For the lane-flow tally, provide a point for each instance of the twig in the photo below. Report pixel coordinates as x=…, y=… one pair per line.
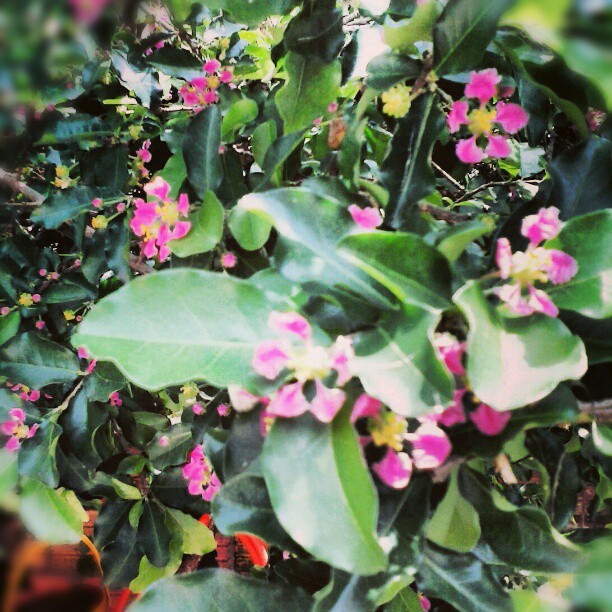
x=12, y=182
x=600, y=410
x=139, y=266
x=70, y=397
x=468, y=194
x=447, y=176
x=443, y=214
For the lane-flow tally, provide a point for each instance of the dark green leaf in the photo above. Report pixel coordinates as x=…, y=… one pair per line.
x=175, y=62
x=316, y=33
x=37, y=455
x=388, y=69
x=61, y=206
x=154, y=535
x=240, y=113
x=120, y=559
x=9, y=326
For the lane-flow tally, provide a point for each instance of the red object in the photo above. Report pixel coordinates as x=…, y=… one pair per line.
x=123, y=600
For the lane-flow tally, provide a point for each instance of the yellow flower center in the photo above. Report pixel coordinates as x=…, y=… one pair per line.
x=481, y=121
x=388, y=430
x=309, y=362
x=169, y=213
x=21, y=432
x=62, y=172
x=212, y=82
x=99, y=222
x=69, y=315
x=396, y=101
x=189, y=391
x=530, y=266
x=25, y=299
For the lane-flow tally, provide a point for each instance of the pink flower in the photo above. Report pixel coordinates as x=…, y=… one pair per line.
x=82, y=352
x=121, y=207
x=469, y=152
x=289, y=401
x=511, y=117
x=182, y=204
x=498, y=146
x=33, y=396
x=318, y=121
x=540, y=302
x=483, y=85
x=503, y=257
x=562, y=267
x=143, y=153
x=506, y=91
x=512, y=296
x=454, y=414
x=88, y=11
x=223, y=410
x=198, y=409
x=226, y=76
x=394, y=469
x=489, y=421
x=211, y=66
x=199, y=83
x=366, y=406
x=544, y=225
x=326, y=403
x=368, y=218
x=145, y=215
x=4, y=311
x=228, y=259
x=202, y=479
x=290, y=322
x=451, y=351
x=164, y=441
x=158, y=188
x=36, y=297
x=430, y=446
x=91, y=366
x=242, y=400
x=342, y=354
x=270, y=358
x=210, y=97
x=114, y=399
x=96, y=203
x=425, y=603
x=16, y=429
x=39, y=325
x=332, y=107
x=457, y=116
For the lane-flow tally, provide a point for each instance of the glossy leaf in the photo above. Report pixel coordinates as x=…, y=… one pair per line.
x=389, y=69
x=37, y=455
x=239, y=114
x=9, y=326
x=61, y=206
x=331, y=512
x=210, y=337
x=154, y=535
x=513, y=362
x=317, y=32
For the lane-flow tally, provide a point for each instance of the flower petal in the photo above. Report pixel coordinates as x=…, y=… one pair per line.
x=430, y=446
x=457, y=115
x=270, y=357
x=454, y=414
x=541, y=302
x=488, y=421
x=158, y=188
x=469, y=152
x=498, y=146
x=542, y=226
x=288, y=402
x=327, y=402
x=394, y=469
x=289, y=322
x=368, y=218
x=511, y=117
x=366, y=406
x=562, y=267
x=482, y=85
x=503, y=257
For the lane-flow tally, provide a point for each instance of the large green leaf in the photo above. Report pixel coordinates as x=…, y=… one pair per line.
x=463, y=31
x=54, y=516
x=414, y=271
x=175, y=62
x=454, y=524
x=217, y=590
x=402, y=35
x=179, y=325
x=35, y=361
x=514, y=362
x=206, y=229
x=154, y=535
x=582, y=178
x=37, y=455
x=310, y=228
x=9, y=326
x=388, y=69
x=201, y=151
x=311, y=86
x=239, y=114
x=397, y=364
x=62, y=206
x=331, y=511
x=522, y=537
x=462, y=580
x=406, y=171
x=587, y=239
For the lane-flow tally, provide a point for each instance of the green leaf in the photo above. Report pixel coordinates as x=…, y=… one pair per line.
x=154, y=535
x=178, y=63
x=311, y=86
x=389, y=69
x=35, y=361
x=179, y=441
x=277, y=154
x=514, y=362
x=243, y=506
x=75, y=128
x=135, y=75
x=402, y=35
x=239, y=114
x=415, y=272
x=54, y=516
x=582, y=178
x=9, y=326
x=148, y=573
x=9, y=475
x=397, y=364
x=250, y=231
x=211, y=336
x=462, y=33
x=121, y=558
x=62, y=206
x=310, y=228
x=405, y=601
x=220, y=591
x=406, y=172
x=206, y=229
x=454, y=524
x=264, y=135
x=125, y=491
x=522, y=537
x=201, y=151
x=197, y=538
x=254, y=11
x=461, y=580
x=331, y=511
x=37, y=455
x=453, y=241
x=587, y=240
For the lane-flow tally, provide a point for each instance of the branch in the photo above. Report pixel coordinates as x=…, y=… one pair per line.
x=17, y=186
x=447, y=176
x=443, y=214
x=600, y=410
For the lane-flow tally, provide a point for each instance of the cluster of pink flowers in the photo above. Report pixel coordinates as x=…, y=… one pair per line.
x=158, y=222
x=488, y=421
x=88, y=11
x=83, y=354
x=114, y=399
x=535, y=265
x=199, y=472
x=485, y=122
x=303, y=361
x=368, y=218
x=202, y=91
x=24, y=392
x=430, y=446
x=143, y=156
x=16, y=429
